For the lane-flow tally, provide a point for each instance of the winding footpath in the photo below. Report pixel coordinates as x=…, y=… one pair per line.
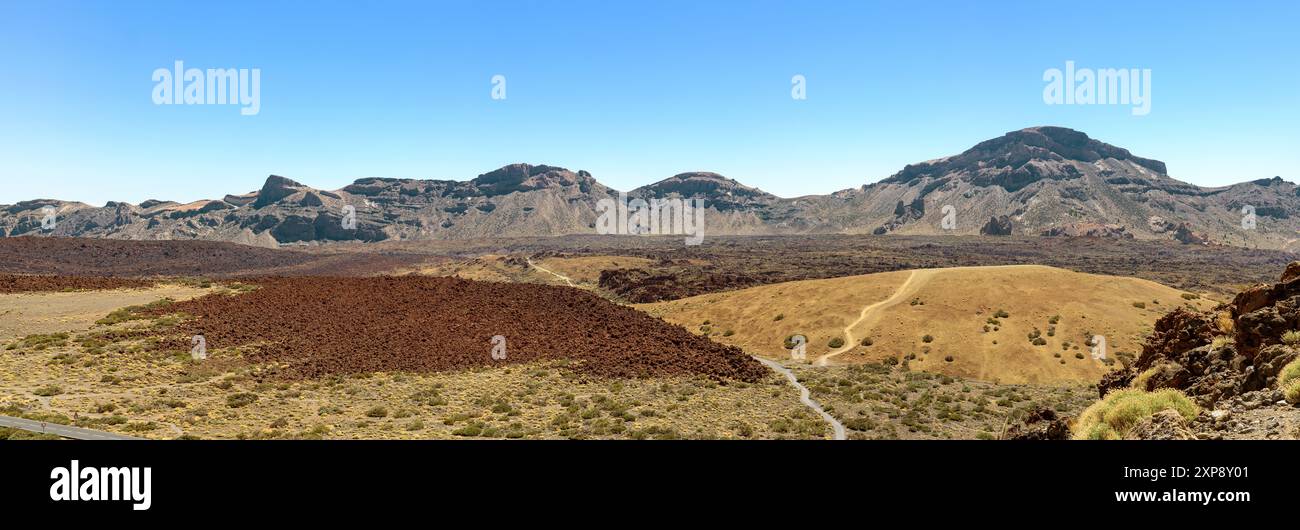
x=910, y=286
x=552, y=273
x=805, y=396
x=66, y=431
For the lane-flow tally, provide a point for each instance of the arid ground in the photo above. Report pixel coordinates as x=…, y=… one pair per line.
x=616, y=337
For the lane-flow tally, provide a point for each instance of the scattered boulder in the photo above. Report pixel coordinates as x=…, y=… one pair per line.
x=1041, y=424
x=1163, y=425
x=1231, y=350
x=997, y=226
x=1185, y=235
x=1089, y=230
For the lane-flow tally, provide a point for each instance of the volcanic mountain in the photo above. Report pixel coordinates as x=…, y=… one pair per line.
x=1047, y=181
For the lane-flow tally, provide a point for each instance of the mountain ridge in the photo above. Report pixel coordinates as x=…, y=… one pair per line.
x=1042, y=180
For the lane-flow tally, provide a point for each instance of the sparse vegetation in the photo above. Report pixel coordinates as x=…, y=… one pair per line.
x=1291, y=338
x=1112, y=417
x=240, y=399
x=48, y=390
x=39, y=342
x=1290, y=373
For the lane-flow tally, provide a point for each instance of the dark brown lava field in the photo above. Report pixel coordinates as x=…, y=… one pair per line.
x=16, y=283
x=320, y=326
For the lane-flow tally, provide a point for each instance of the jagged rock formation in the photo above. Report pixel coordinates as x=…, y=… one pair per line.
x=1231, y=350
x=997, y=226
x=1088, y=230
x=1040, y=180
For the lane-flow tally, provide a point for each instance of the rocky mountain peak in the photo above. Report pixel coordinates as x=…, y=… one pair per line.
x=716, y=190
x=702, y=184
x=527, y=177
x=276, y=188
x=1019, y=158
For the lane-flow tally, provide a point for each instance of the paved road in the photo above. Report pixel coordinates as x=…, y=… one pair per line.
x=76, y=433
x=806, y=396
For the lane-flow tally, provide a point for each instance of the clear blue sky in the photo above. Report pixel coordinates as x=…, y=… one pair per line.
x=631, y=91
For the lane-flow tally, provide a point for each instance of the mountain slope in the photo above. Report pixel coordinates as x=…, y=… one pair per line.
x=1037, y=181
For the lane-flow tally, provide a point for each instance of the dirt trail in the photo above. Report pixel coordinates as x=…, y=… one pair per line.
x=805, y=396
x=915, y=280
x=566, y=279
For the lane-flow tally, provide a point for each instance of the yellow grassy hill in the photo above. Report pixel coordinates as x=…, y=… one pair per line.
x=953, y=306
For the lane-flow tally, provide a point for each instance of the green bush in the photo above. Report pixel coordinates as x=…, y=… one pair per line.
x=1292, y=393
x=377, y=412
x=836, y=342
x=1001, y=314
x=927, y=339
x=241, y=399
x=48, y=390
x=1291, y=338
x=789, y=341
x=1290, y=372
x=1117, y=413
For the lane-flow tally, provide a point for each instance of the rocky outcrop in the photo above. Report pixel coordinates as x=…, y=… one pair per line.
x=276, y=188
x=1185, y=235
x=997, y=226
x=1089, y=230
x=1041, y=424
x=1236, y=348
x=1163, y=425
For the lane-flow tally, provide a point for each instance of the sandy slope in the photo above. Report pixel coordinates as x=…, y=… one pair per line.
x=952, y=305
